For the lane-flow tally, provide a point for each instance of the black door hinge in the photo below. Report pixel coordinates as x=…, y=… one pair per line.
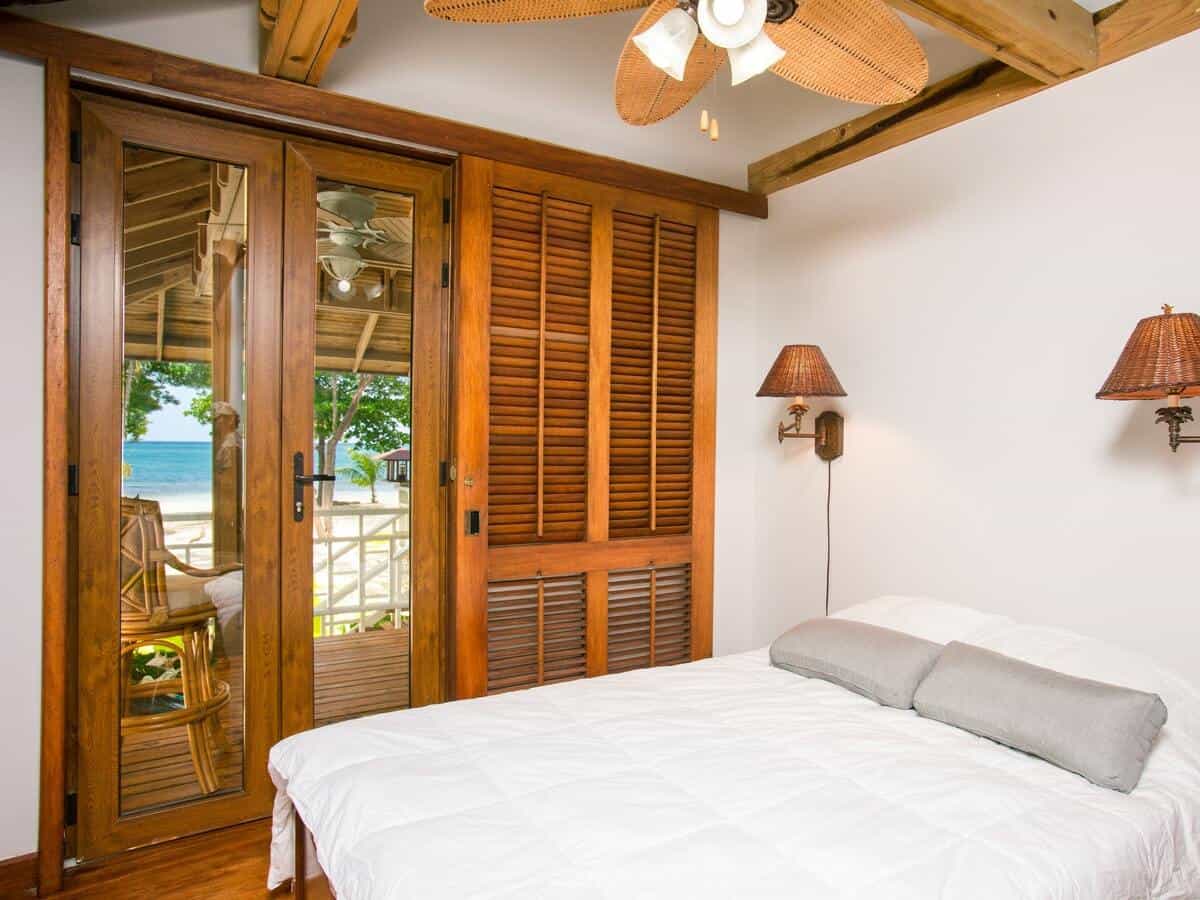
x=76, y=147
x=445, y=274
x=446, y=210
x=75, y=227
x=72, y=480
x=443, y=473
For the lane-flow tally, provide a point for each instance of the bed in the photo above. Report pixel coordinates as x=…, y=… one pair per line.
x=731, y=778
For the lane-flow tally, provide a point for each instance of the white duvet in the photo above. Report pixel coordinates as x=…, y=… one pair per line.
x=729, y=778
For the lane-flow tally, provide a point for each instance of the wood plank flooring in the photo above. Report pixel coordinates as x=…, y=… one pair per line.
x=230, y=864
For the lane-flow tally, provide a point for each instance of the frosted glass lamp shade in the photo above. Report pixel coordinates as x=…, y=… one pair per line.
x=668, y=42
x=341, y=263
x=719, y=26
x=754, y=58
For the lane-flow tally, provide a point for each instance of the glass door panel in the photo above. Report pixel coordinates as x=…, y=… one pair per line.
x=364, y=318
x=362, y=429
x=181, y=517
x=177, y=619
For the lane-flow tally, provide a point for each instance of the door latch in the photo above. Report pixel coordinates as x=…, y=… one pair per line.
x=299, y=480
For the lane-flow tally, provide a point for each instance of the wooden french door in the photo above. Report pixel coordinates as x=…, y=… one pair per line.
x=178, y=576
x=226, y=597
x=365, y=335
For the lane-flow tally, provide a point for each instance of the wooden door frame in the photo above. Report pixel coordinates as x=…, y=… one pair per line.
x=107, y=127
x=306, y=162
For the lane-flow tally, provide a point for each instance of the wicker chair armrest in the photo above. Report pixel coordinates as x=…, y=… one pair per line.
x=178, y=564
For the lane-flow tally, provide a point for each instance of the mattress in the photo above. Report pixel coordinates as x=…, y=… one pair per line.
x=731, y=778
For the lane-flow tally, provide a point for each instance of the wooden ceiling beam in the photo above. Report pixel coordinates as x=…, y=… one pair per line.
x=178, y=175
x=257, y=99
x=191, y=203
x=160, y=325
x=364, y=339
x=301, y=36
x=174, y=263
x=1049, y=40
x=172, y=247
x=1121, y=30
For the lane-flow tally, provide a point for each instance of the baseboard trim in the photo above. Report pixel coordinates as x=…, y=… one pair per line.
x=18, y=875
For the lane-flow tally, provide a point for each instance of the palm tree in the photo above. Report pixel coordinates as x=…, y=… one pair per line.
x=364, y=472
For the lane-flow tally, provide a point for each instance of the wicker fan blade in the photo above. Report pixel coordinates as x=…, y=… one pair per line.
x=645, y=93
x=856, y=50
x=502, y=11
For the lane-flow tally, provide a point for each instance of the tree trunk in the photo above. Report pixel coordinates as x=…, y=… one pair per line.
x=328, y=454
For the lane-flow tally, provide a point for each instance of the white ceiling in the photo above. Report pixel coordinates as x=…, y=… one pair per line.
x=550, y=80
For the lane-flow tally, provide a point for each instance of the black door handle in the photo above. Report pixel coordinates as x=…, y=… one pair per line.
x=299, y=480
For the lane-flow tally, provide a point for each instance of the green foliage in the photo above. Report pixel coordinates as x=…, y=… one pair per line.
x=384, y=413
x=148, y=387
x=365, y=471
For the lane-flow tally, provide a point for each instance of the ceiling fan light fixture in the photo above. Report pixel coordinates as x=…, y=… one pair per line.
x=754, y=58
x=668, y=42
x=745, y=29
x=341, y=263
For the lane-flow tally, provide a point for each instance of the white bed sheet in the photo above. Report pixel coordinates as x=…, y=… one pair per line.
x=730, y=778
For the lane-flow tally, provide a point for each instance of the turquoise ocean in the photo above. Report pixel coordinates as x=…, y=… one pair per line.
x=179, y=475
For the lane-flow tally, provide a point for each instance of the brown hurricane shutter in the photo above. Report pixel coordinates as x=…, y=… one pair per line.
x=653, y=360
x=538, y=375
x=584, y=429
x=649, y=617
x=536, y=632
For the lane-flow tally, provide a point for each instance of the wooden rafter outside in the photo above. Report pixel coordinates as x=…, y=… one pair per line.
x=301, y=36
x=1121, y=30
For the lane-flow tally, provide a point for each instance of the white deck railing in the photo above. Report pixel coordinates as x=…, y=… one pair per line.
x=360, y=563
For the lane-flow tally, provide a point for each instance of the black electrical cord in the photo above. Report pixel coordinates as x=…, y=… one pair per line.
x=828, y=528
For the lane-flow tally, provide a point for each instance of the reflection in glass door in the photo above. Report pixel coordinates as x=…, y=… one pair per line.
x=362, y=429
x=181, y=519
x=179, y=447
x=364, y=296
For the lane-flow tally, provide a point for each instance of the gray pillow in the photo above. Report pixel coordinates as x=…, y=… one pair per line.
x=1097, y=730
x=879, y=663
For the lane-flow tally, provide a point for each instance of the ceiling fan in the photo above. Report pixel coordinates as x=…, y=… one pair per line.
x=855, y=50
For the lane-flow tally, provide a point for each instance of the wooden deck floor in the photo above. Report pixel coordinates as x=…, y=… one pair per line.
x=355, y=675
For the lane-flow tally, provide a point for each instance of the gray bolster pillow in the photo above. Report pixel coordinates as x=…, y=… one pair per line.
x=1100, y=731
x=879, y=663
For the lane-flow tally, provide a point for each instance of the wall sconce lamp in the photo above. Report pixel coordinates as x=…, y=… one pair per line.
x=1160, y=359
x=800, y=371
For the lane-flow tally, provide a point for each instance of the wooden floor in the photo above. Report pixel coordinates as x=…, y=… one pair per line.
x=229, y=864
x=355, y=675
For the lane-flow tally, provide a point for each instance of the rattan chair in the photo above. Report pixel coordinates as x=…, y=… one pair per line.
x=150, y=618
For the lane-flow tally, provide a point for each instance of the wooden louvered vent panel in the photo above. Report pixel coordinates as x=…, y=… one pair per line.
x=649, y=617
x=653, y=361
x=536, y=632
x=541, y=284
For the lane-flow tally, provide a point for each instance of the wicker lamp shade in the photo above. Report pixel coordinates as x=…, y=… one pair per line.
x=1161, y=358
x=801, y=370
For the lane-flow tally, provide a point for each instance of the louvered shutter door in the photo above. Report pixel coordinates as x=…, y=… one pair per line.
x=538, y=378
x=585, y=340
x=653, y=354
x=649, y=617
x=536, y=632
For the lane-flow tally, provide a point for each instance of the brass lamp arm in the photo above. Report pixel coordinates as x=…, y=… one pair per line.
x=1175, y=417
x=827, y=437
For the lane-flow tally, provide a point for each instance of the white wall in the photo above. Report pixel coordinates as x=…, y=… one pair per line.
x=972, y=291
x=21, y=453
